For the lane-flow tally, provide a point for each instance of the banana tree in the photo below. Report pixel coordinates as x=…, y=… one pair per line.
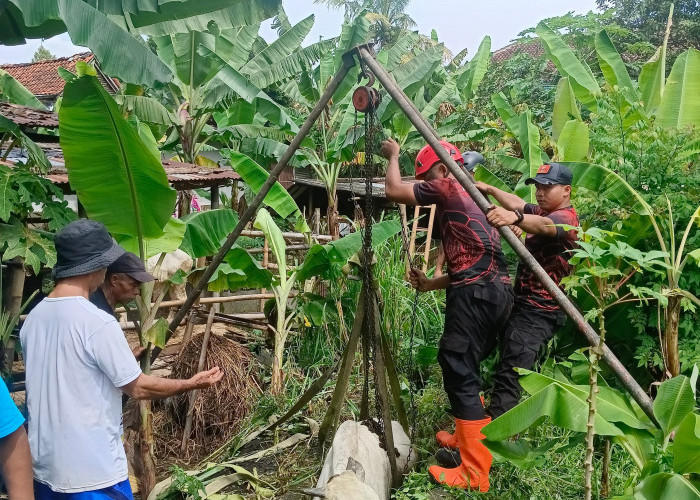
x=661, y=464
x=113, y=30
x=242, y=270
x=121, y=182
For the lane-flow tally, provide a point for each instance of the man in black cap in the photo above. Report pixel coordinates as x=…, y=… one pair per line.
x=122, y=283
x=535, y=316
x=78, y=364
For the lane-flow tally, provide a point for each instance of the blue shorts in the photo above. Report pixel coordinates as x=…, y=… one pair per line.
x=119, y=491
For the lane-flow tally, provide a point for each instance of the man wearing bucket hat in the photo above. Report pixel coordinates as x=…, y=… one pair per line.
x=78, y=364
x=479, y=299
x=535, y=316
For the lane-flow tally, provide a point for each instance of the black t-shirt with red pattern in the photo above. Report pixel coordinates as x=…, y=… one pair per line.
x=552, y=254
x=472, y=247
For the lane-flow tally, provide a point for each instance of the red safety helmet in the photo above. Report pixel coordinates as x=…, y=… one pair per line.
x=427, y=157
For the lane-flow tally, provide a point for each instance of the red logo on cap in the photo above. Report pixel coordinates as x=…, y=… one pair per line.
x=544, y=169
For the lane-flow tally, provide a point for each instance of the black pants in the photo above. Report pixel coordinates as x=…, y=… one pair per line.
x=528, y=330
x=474, y=316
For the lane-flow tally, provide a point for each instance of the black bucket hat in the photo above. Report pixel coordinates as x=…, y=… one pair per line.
x=83, y=247
x=472, y=159
x=131, y=265
x=552, y=173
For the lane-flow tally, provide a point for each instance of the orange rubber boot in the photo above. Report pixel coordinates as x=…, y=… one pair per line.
x=473, y=472
x=447, y=440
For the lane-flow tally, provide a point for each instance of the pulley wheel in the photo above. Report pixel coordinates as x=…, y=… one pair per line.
x=366, y=99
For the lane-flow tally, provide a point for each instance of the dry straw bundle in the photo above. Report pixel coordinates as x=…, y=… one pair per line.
x=219, y=409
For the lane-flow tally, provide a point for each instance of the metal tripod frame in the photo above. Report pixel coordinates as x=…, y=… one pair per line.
x=366, y=55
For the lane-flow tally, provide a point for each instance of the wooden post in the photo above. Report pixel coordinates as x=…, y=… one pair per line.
x=404, y=235
x=265, y=263
x=200, y=367
x=428, y=238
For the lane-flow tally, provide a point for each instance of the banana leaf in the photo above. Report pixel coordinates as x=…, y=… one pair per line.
x=470, y=79
x=278, y=198
x=573, y=141
x=580, y=75
x=206, y=231
x=674, y=400
x=686, y=446
x=320, y=258
x=652, y=80
x=680, y=102
x=565, y=107
x=169, y=241
x=118, y=180
x=663, y=486
x=612, y=66
x=239, y=270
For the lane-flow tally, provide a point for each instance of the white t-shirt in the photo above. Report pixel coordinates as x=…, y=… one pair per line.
x=76, y=359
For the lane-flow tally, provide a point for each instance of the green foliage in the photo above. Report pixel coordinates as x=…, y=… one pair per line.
x=115, y=175
x=20, y=190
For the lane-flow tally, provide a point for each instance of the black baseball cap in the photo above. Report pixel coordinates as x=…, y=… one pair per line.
x=132, y=266
x=83, y=247
x=552, y=173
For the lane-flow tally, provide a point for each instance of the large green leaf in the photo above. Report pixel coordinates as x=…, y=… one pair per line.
x=147, y=109
x=612, y=66
x=680, y=102
x=120, y=54
x=33, y=247
x=264, y=222
x=180, y=52
x=239, y=270
x=565, y=405
x=206, y=231
x=245, y=89
x=320, y=257
x=686, y=446
x=674, y=400
x=476, y=69
x=279, y=49
x=16, y=93
x=565, y=107
x=255, y=176
x=169, y=241
x=651, y=81
x=582, y=80
x=663, y=486
x=118, y=180
x=573, y=141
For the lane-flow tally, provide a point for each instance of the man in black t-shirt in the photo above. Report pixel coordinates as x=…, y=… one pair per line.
x=535, y=316
x=479, y=299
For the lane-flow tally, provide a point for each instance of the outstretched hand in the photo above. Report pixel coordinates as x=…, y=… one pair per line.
x=207, y=378
x=390, y=149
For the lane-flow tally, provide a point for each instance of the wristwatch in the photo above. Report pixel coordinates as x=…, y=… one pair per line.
x=519, y=215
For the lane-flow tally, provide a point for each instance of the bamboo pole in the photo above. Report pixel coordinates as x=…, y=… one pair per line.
x=200, y=367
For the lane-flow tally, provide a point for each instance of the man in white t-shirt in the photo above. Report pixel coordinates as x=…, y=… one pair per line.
x=78, y=364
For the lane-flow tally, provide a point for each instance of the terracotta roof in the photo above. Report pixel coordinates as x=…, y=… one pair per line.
x=42, y=79
x=26, y=116
x=533, y=48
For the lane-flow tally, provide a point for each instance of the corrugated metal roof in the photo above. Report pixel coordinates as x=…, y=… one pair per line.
x=180, y=175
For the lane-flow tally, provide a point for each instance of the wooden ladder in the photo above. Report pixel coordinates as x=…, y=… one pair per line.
x=414, y=232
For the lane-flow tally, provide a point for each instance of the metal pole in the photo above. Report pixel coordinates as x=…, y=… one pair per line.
x=465, y=180
x=348, y=62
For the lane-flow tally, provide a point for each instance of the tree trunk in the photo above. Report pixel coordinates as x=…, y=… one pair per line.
x=16, y=286
x=672, y=315
x=332, y=214
x=146, y=468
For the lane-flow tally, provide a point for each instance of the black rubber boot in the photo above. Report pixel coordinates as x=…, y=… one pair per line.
x=448, y=458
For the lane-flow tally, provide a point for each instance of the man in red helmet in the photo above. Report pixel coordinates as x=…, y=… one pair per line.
x=479, y=299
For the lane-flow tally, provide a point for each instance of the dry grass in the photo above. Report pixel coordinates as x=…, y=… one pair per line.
x=218, y=410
